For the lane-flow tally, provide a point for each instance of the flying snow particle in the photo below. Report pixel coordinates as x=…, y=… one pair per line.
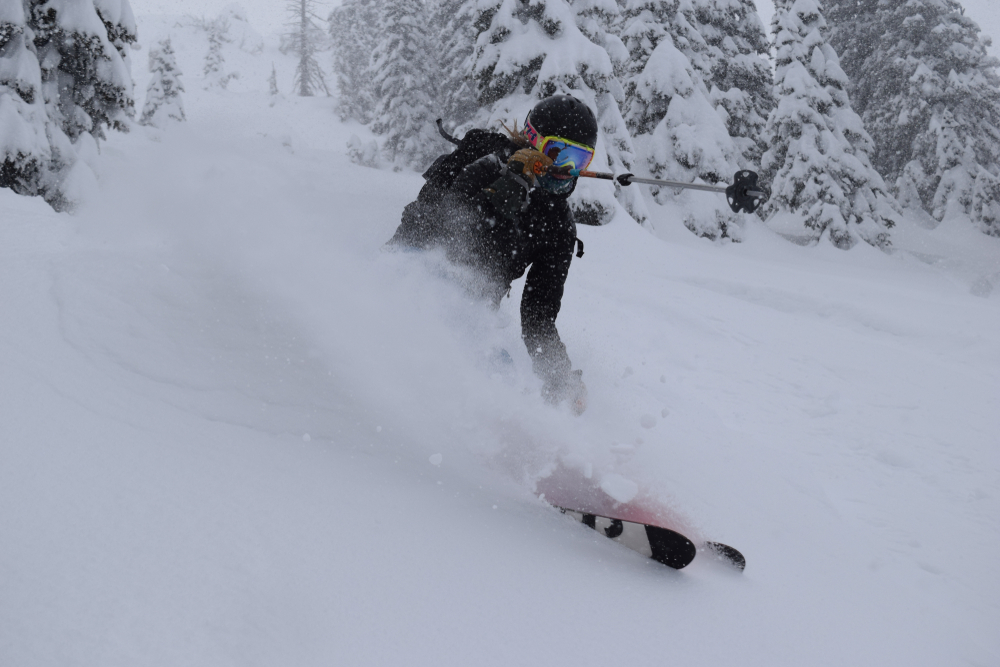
x=436, y=459
x=306, y=437
x=621, y=489
x=647, y=421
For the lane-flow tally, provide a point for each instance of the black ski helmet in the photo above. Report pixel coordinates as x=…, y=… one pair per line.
x=564, y=116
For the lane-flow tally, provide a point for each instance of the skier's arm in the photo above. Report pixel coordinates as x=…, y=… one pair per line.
x=477, y=176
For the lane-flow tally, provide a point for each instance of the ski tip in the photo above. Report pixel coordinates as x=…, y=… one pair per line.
x=727, y=554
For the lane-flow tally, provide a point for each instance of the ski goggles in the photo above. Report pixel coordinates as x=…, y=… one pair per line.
x=564, y=153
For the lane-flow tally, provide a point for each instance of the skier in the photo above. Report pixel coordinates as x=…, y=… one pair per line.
x=506, y=213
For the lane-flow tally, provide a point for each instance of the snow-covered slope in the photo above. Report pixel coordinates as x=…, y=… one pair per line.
x=235, y=432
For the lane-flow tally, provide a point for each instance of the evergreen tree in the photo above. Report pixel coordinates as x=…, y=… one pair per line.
x=64, y=79
x=25, y=153
x=986, y=202
x=163, y=96
x=83, y=50
x=684, y=30
x=930, y=95
x=818, y=166
x=740, y=82
x=215, y=62
x=527, y=51
x=855, y=31
x=272, y=83
x=596, y=20
x=531, y=50
x=456, y=32
x=354, y=32
x=676, y=130
x=404, y=106
x=306, y=36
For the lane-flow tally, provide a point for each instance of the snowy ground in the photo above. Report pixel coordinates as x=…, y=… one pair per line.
x=236, y=433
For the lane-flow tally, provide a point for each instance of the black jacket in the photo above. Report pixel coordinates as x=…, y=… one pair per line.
x=540, y=239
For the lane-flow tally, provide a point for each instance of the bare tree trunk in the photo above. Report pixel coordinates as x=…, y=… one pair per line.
x=304, y=89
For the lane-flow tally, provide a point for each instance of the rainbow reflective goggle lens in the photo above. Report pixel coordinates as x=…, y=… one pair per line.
x=564, y=153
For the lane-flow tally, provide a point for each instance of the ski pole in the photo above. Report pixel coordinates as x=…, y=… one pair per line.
x=743, y=195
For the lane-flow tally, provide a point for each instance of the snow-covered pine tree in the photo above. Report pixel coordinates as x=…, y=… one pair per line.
x=683, y=30
x=272, y=83
x=677, y=132
x=83, y=47
x=529, y=50
x=855, y=31
x=217, y=31
x=453, y=27
x=354, y=33
x=929, y=94
x=163, y=96
x=25, y=154
x=986, y=202
x=740, y=82
x=214, y=60
x=403, y=85
x=64, y=79
x=595, y=19
x=822, y=182
x=305, y=36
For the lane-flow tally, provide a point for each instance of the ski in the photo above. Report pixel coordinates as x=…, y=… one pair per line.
x=663, y=545
x=728, y=554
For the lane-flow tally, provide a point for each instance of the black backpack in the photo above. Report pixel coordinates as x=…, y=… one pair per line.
x=418, y=227
x=445, y=169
